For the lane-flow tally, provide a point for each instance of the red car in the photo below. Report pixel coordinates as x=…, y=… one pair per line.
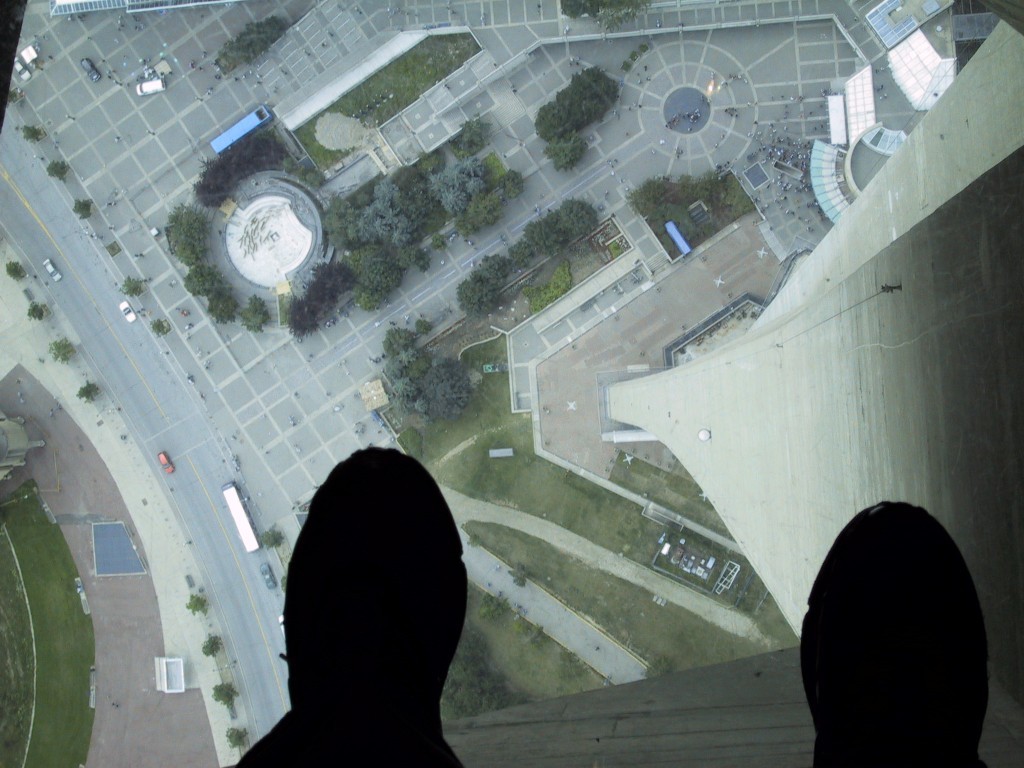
x=165, y=462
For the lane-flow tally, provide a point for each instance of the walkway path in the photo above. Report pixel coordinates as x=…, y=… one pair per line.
x=465, y=509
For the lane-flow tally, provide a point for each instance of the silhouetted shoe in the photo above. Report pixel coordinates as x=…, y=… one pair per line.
x=893, y=652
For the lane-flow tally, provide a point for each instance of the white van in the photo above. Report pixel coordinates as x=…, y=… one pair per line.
x=151, y=86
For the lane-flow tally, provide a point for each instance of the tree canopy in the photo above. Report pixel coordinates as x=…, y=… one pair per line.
x=588, y=96
x=472, y=138
x=445, y=389
x=254, y=314
x=478, y=294
x=255, y=153
x=456, y=184
x=377, y=274
x=255, y=39
x=188, y=227
x=566, y=151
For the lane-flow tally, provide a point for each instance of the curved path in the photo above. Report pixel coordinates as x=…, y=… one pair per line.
x=465, y=509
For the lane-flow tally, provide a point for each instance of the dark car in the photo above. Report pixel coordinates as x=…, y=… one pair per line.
x=268, y=576
x=90, y=69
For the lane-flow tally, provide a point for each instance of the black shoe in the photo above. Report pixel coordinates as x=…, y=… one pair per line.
x=893, y=650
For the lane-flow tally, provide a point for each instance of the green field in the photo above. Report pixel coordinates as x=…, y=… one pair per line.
x=671, y=636
x=64, y=642
x=674, y=490
x=16, y=660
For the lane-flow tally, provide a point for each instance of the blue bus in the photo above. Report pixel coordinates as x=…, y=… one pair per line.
x=241, y=129
x=677, y=238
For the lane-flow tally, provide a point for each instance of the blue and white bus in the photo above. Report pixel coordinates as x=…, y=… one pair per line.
x=260, y=116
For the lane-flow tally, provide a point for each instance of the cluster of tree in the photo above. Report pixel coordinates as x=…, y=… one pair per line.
x=328, y=283
x=37, y=311
x=255, y=153
x=588, y=96
x=659, y=199
x=187, y=232
x=254, y=40
x=15, y=271
x=472, y=138
x=473, y=685
x=437, y=387
x=548, y=235
x=540, y=296
x=612, y=14
x=160, y=326
x=480, y=293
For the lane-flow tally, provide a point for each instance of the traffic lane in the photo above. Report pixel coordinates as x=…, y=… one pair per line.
x=118, y=365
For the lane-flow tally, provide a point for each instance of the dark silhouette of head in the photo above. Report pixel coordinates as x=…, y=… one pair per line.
x=893, y=649
x=374, y=610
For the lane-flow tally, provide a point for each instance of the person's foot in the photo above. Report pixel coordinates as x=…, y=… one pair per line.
x=893, y=650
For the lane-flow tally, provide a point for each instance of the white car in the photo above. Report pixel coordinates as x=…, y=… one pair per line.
x=52, y=271
x=127, y=311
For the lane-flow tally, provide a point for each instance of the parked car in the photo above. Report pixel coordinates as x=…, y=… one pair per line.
x=165, y=462
x=52, y=271
x=21, y=71
x=127, y=311
x=268, y=576
x=90, y=70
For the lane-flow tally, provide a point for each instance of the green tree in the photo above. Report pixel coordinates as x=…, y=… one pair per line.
x=58, y=169
x=133, y=286
x=188, y=228
x=222, y=305
x=88, y=392
x=253, y=41
x=483, y=210
x=225, y=693
x=272, y=538
x=519, y=575
x=521, y=253
x=384, y=219
x=377, y=275
x=588, y=96
x=62, y=349
x=478, y=294
x=15, y=271
x=456, y=184
x=203, y=280
x=160, y=326
x=649, y=196
x=615, y=13
x=236, y=737
x=472, y=138
x=493, y=607
x=83, y=208
x=511, y=185
x=423, y=326
x=446, y=389
x=575, y=219
x=33, y=133
x=37, y=311
x=212, y=645
x=566, y=152
x=255, y=314
x=198, y=604
x=473, y=686
x=437, y=241
x=413, y=256
x=341, y=222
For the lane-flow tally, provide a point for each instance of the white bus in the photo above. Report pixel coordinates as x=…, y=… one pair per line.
x=241, y=517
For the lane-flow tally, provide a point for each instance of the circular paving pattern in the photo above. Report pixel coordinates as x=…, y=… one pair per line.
x=687, y=110
x=266, y=240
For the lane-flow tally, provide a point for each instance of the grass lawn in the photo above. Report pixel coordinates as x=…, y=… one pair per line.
x=392, y=88
x=674, y=490
x=65, y=646
x=674, y=637
x=16, y=660
x=525, y=481
x=534, y=665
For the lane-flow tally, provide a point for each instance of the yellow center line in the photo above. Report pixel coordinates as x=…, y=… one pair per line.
x=70, y=266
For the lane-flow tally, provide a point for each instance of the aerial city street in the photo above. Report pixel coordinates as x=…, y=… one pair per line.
x=190, y=381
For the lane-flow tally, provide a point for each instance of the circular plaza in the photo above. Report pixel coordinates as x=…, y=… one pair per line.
x=272, y=232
